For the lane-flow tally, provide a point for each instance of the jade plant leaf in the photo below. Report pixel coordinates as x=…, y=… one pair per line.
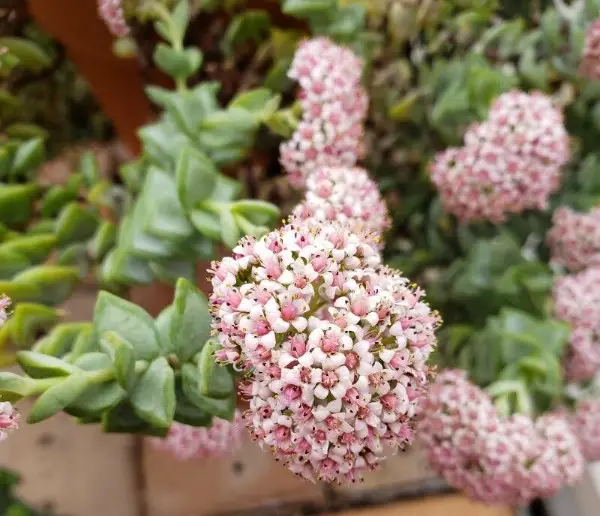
x=129, y=321
x=28, y=320
x=153, y=397
x=190, y=321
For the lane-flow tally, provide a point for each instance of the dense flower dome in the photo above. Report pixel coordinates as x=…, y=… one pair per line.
x=337, y=345
x=577, y=302
x=509, y=163
x=346, y=195
x=574, y=238
x=187, y=442
x=577, y=298
x=316, y=144
x=111, y=11
x=494, y=459
x=334, y=107
x=9, y=419
x=586, y=425
x=590, y=61
x=582, y=360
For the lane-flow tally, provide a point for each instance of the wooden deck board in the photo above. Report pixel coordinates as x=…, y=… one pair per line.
x=449, y=505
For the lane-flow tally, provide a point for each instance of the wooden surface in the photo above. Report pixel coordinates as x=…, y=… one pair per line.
x=248, y=479
x=453, y=505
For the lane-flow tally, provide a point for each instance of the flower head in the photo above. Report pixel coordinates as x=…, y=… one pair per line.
x=577, y=302
x=509, y=163
x=574, y=238
x=346, y=195
x=9, y=419
x=586, y=425
x=316, y=144
x=590, y=62
x=334, y=106
x=494, y=459
x=582, y=359
x=4, y=309
x=577, y=298
x=111, y=11
x=337, y=345
x=187, y=442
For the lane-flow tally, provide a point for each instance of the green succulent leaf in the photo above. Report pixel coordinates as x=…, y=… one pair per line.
x=196, y=177
x=13, y=387
x=57, y=397
x=123, y=419
x=178, y=63
x=260, y=213
x=62, y=339
x=122, y=357
x=35, y=248
x=190, y=320
x=215, y=381
x=54, y=283
x=28, y=320
x=230, y=231
x=28, y=158
x=16, y=203
x=153, y=397
x=129, y=321
x=75, y=223
x=223, y=408
x=103, y=241
x=29, y=54
x=38, y=365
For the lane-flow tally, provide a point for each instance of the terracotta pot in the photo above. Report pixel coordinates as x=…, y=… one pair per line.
x=115, y=82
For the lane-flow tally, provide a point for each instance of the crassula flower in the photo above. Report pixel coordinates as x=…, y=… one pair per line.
x=590, y=61
x=577, y=298
x=582, y=359
x=586, y=425
x=4, y=307
x=493, y=458
x=9, y=419
x=577, y=302
x=334, y=106
x=509, y=163
x=336, y=343
x=316, y=144
x=574, y=238
x=187, y=442
x=111, y=11
x=346, y=195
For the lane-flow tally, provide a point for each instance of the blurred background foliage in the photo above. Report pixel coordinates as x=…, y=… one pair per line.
x=41, y=93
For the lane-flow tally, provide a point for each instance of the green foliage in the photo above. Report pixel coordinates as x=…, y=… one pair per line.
x=133, y=372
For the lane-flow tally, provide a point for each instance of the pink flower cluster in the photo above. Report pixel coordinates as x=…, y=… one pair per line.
x=4, y=309
x=334, y=106
x=187, y=442
x=495, y=459
x=509, y=163
x=346, y=195
x=335, y=346
x=574, y=238
x=577, y=302
x=586, y=425
x=111, y=11
x=9, y=419
x=590, y=61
